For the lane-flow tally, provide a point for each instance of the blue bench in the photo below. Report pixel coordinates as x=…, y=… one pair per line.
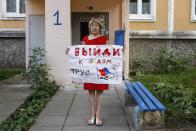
x=148, y=105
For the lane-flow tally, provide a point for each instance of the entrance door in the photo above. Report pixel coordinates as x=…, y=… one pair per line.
x=83, y=30
x=80, y=24
x=36, y=31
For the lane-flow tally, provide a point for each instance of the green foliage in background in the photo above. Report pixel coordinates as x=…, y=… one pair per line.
x=166, y=60
x=172, y=60
x=138, y=62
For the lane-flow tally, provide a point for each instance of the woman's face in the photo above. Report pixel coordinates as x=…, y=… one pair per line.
x=95, y=28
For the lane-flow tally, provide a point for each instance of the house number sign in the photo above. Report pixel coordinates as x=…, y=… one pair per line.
x=56, y=16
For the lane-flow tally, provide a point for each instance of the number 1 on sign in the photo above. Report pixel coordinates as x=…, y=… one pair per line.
x=56, y=14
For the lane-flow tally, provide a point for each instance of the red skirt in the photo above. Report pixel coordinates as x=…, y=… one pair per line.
x=91, y=86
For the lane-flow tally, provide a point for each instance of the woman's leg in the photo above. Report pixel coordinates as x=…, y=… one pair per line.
x=92, y=102
x=98, y=103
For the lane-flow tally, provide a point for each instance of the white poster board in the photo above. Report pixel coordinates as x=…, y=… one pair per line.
x=96, y=63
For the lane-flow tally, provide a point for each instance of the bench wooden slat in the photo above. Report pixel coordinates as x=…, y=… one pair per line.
x=136, y=97
x=151, y=97
x=144, y=97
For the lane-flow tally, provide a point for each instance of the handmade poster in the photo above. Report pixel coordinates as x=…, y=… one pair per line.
x=96, y=63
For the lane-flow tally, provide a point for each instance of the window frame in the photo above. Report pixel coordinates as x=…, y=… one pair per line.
x=193, y=11
x=16, y=14
x=143, y=17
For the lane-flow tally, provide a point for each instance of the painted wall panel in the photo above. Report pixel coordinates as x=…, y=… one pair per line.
x=182, y=16
x=36, y=7
x=161, y=19
x=12, y=24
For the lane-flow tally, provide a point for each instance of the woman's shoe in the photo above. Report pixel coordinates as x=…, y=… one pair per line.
x=98, y=122
x=91, y=121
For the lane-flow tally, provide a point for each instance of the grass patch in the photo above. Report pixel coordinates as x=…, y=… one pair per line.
x=188, y=78
x=6, y=73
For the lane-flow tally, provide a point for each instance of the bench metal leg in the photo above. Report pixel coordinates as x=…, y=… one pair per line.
x=138, y=120
x=129, y=100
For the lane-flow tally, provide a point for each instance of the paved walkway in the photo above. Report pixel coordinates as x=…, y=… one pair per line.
x=13, y=93
x=69, y=110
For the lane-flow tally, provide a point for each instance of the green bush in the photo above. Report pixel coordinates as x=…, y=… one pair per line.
x=138, y=66
x=37, y=72
x=138, y=62
x=181, y=107
x=172, y=60
x=168, y=92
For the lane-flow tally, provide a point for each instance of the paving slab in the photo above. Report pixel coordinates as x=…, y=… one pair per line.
x=79, y=128
x=113, y=119
x=79, y=104
x=81, y=98
x=56, y=108
x=82, y=92
x=63, y=97
x=110, y=102
x=77, y=120
x=46, y=128
x=83, y=110
x=50, y=121
x=112, y=128
x=13, y=93
x=7, y=108
x=2, y=118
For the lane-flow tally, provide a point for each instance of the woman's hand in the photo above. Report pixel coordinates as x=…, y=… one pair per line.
x=107, y=42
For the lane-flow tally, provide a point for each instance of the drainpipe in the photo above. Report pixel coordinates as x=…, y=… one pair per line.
x=126, y=46
x=170, y=16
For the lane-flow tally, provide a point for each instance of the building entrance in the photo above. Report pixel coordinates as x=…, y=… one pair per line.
x=80, y=24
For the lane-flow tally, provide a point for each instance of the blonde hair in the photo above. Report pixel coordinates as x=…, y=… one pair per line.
x=96, y=20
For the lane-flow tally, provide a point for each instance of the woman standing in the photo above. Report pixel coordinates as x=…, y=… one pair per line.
x=95, y=90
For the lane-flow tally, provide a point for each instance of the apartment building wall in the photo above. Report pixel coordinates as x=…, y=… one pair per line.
x=160, y=23
x=11, y=23
x=179, y=33
x=182, y=16
x=12, y=41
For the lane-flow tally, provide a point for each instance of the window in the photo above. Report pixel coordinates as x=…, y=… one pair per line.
x=142, y=9
x=13, y=8
x=193, y=12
